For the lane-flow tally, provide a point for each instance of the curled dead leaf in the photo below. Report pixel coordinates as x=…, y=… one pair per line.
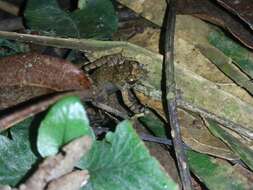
x=210, y=11
x=241, y=8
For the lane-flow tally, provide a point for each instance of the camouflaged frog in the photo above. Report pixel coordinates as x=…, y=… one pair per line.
x=115, y=72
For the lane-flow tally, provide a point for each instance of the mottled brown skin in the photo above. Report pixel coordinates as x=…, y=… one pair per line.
x=119, y=75
x=122, y=75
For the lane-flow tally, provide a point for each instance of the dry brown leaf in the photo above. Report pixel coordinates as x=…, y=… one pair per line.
x=241, y=8
x=187, y=52
x=195, y=136
x=154, y=11
x=207, y=10
x=26, y=76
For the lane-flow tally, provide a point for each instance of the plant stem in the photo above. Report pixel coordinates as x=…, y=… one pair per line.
x=171, y=94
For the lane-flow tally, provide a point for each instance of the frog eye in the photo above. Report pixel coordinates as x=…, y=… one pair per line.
x=131, y=81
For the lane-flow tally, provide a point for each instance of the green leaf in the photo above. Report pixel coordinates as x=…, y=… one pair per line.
x=16, y=156
x=95, y=19
x=121, y=161
x=245, y=153
x=240, y=55
x=11, y=48
x=216, y=174
x=65, y=121
x=154, y=124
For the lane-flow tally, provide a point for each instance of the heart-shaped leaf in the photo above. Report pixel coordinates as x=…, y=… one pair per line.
x=65, y=121
x=16, y=156
x=93, y=19
x=121, y=161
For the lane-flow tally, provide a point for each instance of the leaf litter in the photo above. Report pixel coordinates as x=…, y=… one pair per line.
x=22, y=79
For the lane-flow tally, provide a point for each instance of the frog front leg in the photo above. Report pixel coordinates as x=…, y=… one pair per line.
x=131, y=101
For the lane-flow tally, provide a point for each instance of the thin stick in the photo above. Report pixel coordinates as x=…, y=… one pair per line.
x=110, y=110
x=85, y=45
x=171, y=104
x=154, y=139
x=9, y=8
x=13, y=118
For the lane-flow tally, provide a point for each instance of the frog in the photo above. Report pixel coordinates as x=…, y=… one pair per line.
x=117, y=73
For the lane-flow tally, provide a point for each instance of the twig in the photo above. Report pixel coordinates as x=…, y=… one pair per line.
x=85, y=45
x=56, y=166
x=9, y=8
x=171, y=104
x=11, y=119
x=11, y=24
x=71, y=43
x=143, y=136
x=110, y=110
x=151, y=138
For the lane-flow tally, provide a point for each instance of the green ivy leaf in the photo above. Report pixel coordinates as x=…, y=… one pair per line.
x=154, y=124
x=94, y=19
x=16, y=156
x=121, y=161
x=65, y=121
x=11, y=48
